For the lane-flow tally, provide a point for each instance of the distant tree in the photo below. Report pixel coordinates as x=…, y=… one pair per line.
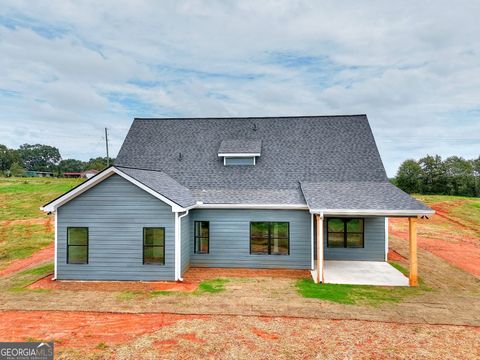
x=6, y=158
x=434, y=178
x=409, y=176
x=17, y=170
x=39, y=157
x=476, y=174
x=98, y=163
x=71, y=165
x=460, y=176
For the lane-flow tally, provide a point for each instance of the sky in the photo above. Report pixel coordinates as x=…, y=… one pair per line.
x=70, y=69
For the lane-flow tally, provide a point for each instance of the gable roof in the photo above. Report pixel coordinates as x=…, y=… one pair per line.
x=304, y=160
x=155, y=183
x=294, y=149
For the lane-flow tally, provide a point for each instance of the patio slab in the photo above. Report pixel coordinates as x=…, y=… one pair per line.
x=362, y=273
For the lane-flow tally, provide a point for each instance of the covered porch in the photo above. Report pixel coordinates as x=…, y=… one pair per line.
x=354, y=202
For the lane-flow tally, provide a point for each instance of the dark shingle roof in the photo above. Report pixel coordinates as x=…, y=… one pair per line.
x=162, y=184
x=311, y=149
x=363, y=195
x=240, y=146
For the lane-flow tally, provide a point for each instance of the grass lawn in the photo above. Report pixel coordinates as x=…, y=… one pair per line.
x=359, y=294
x=24, y=229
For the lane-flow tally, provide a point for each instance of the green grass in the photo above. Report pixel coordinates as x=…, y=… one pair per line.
x=128, y=295
x=212, y=286
x=21, y=241
x=20, y=280
x=20, y=199
x=359, y=294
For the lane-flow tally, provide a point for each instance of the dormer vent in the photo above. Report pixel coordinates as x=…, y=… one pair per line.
x=240, y=151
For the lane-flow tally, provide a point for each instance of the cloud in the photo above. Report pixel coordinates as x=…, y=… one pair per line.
x=71, y=68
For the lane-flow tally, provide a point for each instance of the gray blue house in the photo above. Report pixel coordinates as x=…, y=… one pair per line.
x=264, y=192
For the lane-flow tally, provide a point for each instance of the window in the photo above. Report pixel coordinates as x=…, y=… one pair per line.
x=154, y=246
x=269, y=238
x=77, y=245
x=201, y=237
x=345, y=233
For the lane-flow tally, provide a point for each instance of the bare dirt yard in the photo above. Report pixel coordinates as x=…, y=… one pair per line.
x=232, y=314
x=89, y=335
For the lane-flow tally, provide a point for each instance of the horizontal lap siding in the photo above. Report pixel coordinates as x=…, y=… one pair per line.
x=115, y=212
x=230, y=239
x=374, y=242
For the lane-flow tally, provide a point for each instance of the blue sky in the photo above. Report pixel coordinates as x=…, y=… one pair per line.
x=69, y=69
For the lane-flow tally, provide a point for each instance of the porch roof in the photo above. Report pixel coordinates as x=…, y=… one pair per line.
x=365, y=198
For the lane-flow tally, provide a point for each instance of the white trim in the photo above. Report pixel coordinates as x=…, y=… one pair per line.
x=312, y=240
x=386, y=238
x=253, y=206
x=99, y=178
x=178, y=245
x=238, y=154
x=55, y=252
x=372, y=212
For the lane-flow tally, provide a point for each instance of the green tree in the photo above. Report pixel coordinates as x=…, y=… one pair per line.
x=71, y=165
x=460, y=176
x=39, y=157
x=409, y=176
x=17, y=170
x=476, y=174
x=98, y=163
x=5, y=158
x=434, y=178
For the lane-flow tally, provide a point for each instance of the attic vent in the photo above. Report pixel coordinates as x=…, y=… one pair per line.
x=240, y=151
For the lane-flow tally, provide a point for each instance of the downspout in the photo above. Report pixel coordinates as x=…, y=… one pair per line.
x=178, y=245
x=55, y=214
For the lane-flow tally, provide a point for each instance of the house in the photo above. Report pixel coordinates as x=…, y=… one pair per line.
x=87, y=174
x=258, y=192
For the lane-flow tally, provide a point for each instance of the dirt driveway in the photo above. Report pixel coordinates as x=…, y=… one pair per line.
x=84, y=335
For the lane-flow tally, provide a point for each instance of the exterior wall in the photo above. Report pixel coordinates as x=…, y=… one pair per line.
x=185, y=240
x=374, y=243
x=115, y=212
x=230, y=239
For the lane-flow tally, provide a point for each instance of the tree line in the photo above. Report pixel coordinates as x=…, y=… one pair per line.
x=38, y=157
x=432, y=175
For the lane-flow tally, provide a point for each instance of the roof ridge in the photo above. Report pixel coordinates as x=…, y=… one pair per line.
x=137, y=168
x=249, y=117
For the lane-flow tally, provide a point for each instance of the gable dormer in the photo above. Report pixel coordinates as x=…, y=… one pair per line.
x=240, y=151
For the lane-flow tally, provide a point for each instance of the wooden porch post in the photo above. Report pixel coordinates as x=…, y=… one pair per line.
x=412, y=231
x=319, y=219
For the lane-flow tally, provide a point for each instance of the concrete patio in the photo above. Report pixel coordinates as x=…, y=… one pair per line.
x=362, y=273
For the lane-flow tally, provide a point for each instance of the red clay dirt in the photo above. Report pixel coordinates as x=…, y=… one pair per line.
x=48, y=283
x=453, y=246
x=82, y=329
x=199, y=274
x=37, y=258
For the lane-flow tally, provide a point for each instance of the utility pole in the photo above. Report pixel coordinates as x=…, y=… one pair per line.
x=106, y=145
